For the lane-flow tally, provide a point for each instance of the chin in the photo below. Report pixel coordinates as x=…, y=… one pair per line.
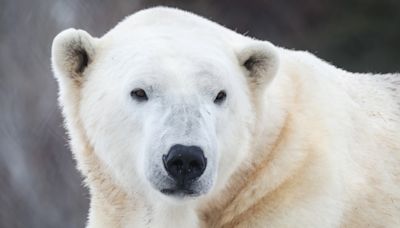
x=180, y=192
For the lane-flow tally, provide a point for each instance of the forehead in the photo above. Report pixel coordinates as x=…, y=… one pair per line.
x=163, y=55
x=156, y=44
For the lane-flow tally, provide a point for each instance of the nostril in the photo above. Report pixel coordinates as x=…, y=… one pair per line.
x=177, y=164
x=194, y=165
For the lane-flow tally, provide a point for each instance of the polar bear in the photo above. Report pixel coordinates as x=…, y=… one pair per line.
x=176, y=121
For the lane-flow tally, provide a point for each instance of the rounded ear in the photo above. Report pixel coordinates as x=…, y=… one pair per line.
x=261, y=61
x=72, y=51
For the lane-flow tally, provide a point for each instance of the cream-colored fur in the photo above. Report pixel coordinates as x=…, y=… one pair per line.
x=323, y=148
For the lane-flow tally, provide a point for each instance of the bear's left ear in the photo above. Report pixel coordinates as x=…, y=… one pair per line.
x=260, y=61
x=72, y=51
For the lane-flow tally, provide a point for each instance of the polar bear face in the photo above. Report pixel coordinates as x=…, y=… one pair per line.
x=169, y=96
x=169, y=112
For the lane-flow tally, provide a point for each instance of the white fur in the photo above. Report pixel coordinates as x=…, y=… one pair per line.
x=297, y=142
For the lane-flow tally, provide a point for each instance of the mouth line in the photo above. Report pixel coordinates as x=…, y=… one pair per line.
x=180, y=192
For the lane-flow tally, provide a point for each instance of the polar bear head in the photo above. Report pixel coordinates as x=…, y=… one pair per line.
x=166, y=100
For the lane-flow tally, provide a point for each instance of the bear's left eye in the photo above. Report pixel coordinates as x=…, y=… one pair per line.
x=139, y=95
x=221, y=96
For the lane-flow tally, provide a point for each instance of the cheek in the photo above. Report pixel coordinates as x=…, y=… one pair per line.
x=234, y=146
x=115, y=135
x=231, y=141
x=233, y=137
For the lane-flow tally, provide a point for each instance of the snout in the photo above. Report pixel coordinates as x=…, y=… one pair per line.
x=183, y=172
x=185, y=164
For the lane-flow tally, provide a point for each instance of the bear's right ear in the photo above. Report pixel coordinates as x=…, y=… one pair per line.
x=72, y=51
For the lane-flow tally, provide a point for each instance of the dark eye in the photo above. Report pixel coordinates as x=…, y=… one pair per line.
x=139, y=95
x=221, y=96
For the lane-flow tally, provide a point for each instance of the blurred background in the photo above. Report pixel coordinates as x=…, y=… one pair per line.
x=39, y=186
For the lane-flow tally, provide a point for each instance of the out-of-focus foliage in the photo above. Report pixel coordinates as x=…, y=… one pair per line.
x=39, y=186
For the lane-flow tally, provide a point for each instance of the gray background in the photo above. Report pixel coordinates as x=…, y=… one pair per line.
x=39, y=186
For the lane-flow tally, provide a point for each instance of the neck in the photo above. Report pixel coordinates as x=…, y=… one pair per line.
x=174, y=216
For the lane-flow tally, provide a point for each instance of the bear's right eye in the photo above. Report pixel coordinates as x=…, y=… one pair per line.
x=139, y=95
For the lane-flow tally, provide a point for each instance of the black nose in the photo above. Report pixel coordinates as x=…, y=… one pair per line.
x=185, y=163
